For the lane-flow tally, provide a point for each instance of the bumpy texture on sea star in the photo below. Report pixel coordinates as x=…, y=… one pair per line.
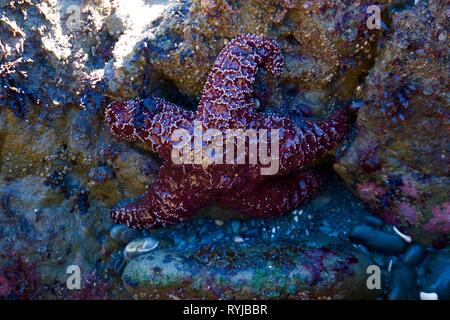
x=227, y=103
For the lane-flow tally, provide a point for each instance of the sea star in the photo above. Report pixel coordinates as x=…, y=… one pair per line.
x=227, y=103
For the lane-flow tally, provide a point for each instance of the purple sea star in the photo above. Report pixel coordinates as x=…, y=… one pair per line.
x=227, y=103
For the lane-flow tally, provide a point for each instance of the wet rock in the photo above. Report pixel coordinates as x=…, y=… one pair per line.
x=235, y=226
x=414, y=255
x=116, y=264
x=379, y=259
x=325, y=229
x=403, y=285
x=373, y=221
x=251, y=233
x=57, y=171
x=378, y=241
x=51, y=137
x=326, y=47
x=62, y=52
x=437, y=279
x=398, y=162
x=441, y=242
x=60, y=170
x=122, y=234
x=428, y=296
x=42, y=235
x=273, y=270
x=139, y=247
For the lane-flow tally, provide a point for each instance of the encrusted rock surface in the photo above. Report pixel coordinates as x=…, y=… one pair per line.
x=60, y=170
x=399, y=160
x=57, y=174
x=305, y=269
x=326, y=45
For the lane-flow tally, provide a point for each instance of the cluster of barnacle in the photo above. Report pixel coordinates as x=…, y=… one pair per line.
x=101, y=173
x=12, y=167
x=394, y=101
x=12, y=94
x=93, y=94
x=398, y=103
x=64, y=160
x=55, y=179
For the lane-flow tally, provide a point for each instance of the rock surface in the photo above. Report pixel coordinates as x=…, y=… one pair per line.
x=57, y=176
x=305, y=269
x=326, y=45
x=399, y=160
x=404, y=284
x=42, y=234
x=378, y=241
x=60, y=170
x=437, y=276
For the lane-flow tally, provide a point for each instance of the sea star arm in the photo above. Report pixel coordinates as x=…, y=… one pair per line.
x=176, y=194
x=277, y=196
x=300, y=145
x=151, y=120
x=227, y=100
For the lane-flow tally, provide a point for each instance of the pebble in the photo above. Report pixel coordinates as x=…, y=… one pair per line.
x=428, y=296
x=438, y=276
x=71, y=181
x=192, y=238
x=321, y=201
x=392, y=261
x=218, y=235
x=122, y=234
x=251, y=233
x=363, y=250
x=379, y=260
x=205, y=228
x=238, y=271
x=377, y=241
x=414, y=255
x=405, y=237
x=238, y=239
x=325, y=230
x=116, y=263
x=139, y=247
x=373, y=221
x=235, y=226
x=207, y=238
x=403, y=285
x=181, y=245
x=211, y=237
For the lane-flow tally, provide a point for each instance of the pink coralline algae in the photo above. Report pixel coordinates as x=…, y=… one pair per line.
x=370, y=191
x=409, y=212
x=440, y=222
x=227, y=103
x=409, y=188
